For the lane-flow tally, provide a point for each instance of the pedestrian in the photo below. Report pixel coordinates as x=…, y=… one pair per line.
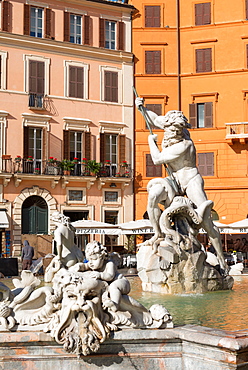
x=27, y=255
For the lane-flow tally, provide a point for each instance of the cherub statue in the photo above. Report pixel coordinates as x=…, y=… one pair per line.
x=103, y=268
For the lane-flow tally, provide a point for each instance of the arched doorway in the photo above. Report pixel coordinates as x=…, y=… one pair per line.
x=34, y=215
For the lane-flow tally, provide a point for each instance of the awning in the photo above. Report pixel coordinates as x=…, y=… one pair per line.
x=4, y=223
x=95, y=227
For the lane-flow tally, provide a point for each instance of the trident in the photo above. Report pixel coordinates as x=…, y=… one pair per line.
x=149, y=123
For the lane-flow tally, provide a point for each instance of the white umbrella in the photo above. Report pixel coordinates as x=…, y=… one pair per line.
x=239, y=227
x=95, y=227
x=136, y=227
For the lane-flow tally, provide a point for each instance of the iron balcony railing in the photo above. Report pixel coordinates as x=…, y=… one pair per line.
x=39, y=167
x=36, y=101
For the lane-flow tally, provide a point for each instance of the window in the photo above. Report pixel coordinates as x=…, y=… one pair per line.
x=111, y=34
x=151, y=169
x=202, y=14
x=33, y=147
x=246, y=9
x=111, y=217
x=76, y=196
x=152, y=16
x=203, y=60
x=201, y=115
x=153, y=62
x=77, y=28
x=77, y=144
x=111, y=196
x=3, y=69
x=111, y=86
x=37, y=21
x=6, y=16
x=36, y=83
x=206, y=163
x=76, y=82
x=112, y=148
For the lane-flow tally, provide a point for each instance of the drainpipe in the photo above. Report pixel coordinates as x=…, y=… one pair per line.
x=178, y=57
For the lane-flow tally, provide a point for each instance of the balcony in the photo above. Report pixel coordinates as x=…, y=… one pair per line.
x=24, y=168
x=237, y=131
x=36, y=101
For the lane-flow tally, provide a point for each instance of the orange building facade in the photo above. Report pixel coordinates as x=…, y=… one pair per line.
x=66, y=75
x=193, y=56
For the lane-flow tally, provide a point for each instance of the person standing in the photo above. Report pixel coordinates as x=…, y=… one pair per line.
x=27, y=255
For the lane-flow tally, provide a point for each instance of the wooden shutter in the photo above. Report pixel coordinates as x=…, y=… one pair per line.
x=193, y=115
x=66, y=144
x=76, y=82
x=206, y=164
x=122, y=148
x=151, y=169
x=48, y=23
x=208, y=114
x=26, y=21
x=87, y=145
x=111, y=86
x=87, y=29
x=153, y=62
x=102, y=147
x=202, y=14
x=152, y=16
x=25, y=142
x=247, y=55
x=121, y=35
x=156, y=108
x=203, y=60
x=66, y=26
x=36, y=77
x=246, y=9
x=101, y=33
x=6, y=16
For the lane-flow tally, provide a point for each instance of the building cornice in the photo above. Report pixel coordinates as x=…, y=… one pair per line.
x=65, y=48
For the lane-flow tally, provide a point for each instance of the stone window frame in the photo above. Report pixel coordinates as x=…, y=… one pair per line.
x=102, y=70
x=86, y=67
x=3, y=82
x=84, y=199
x=47, y=61
x=104, y=190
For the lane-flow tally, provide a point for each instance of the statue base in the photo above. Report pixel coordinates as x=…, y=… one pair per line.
x=170, y=272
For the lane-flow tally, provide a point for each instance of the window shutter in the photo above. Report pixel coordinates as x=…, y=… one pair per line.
x=122, y=148
x=111, y=86
x=40, y=77
x=204, y=60
x=153, y=62
x=206, y=164
x=26, y=21
x=193, y=115
x=87, y=30
x=76, y=82
x=198, y=14
x=6, y=16
x=152, y=16
x=25, y=142
x=247, y=55
x=66, y=144
x=66, y=26
x=246, y=9
x=151, y=169
x=102, y=147
x=87, y=145
x=44, y=144
x=208, y=114
x=156, y=108
x=121, y=35
x=206, y=13
x=36, y=77
x=48, y=23
x=101, y=33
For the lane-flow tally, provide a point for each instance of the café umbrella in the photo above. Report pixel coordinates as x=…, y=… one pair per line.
x=95, y=227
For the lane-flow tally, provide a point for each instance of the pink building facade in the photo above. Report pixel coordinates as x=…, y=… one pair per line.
x=65, y=92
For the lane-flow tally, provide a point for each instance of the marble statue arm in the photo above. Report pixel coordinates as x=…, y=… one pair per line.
x=168, y=154
x=109, y=273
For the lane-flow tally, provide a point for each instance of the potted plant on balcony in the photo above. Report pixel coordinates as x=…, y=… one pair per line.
x=67, y=165
x=92, y=166
x=52, y=166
